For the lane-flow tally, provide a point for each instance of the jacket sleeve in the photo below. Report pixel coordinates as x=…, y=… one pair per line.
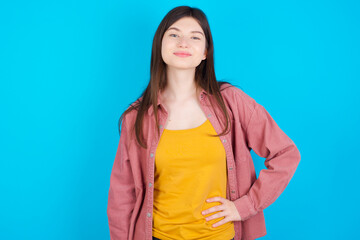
x=121, y=198
x=282, y=158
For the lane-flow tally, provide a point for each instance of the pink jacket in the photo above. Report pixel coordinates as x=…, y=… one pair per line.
x=130, y=200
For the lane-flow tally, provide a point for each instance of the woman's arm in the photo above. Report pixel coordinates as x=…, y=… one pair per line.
x=282, y=158
x=121, y=199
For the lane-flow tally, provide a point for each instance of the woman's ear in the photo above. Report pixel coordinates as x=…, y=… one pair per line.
x=205, y=54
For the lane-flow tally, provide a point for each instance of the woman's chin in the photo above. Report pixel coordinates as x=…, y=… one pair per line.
x=182, y=66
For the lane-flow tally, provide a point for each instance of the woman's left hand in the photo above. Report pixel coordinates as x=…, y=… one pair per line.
x=227, y=208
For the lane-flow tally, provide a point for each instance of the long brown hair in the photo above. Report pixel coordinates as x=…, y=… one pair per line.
x=204, y=73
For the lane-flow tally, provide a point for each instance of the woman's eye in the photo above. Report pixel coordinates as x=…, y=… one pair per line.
x=173, y=34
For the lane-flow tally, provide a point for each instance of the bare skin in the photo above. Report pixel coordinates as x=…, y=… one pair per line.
x=184, y=114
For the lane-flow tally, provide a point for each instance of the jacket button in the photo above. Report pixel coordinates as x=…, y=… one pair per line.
x=149, y=214
x=150, y=184
x=233, y=191
x=209, y=115
x=160, y=126
x=231, y=168
x=224, y=140
x=151, y=154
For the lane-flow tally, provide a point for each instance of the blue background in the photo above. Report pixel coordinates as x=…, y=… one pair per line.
x=68, y=69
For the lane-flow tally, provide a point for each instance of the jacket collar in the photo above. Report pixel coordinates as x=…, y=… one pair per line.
x=159, y=103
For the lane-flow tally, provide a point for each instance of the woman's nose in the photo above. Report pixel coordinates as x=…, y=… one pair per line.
x=182, y=41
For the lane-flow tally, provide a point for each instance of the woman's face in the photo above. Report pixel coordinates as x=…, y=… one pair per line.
x=183, y=44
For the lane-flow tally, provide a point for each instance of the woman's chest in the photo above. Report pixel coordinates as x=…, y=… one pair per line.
x=184, y=116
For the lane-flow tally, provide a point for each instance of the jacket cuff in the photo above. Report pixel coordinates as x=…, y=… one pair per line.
x=245, y=207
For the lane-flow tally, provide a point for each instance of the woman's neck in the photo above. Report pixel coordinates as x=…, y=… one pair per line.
x=180, y=85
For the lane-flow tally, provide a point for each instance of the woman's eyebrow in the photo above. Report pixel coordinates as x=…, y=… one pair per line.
x=179, y=30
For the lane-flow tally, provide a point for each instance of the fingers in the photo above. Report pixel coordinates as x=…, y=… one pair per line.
x=214, y=216
x=223, y=210
x=216, y=199
x=213, y=209
x=221, y=222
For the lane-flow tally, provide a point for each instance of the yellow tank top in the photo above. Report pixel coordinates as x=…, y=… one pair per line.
x=190, y=167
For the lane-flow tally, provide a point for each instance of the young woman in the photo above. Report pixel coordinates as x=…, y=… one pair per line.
x=183, y=168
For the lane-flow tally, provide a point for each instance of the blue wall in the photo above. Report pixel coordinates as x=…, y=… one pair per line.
x=68, y=69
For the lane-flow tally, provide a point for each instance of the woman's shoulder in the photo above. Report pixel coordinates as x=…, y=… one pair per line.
x=129, y=115
x=235, y=95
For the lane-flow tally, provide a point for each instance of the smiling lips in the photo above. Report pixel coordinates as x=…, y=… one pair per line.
x=182, y=54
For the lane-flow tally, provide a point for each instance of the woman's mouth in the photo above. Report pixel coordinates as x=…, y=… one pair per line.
x=182, y=54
